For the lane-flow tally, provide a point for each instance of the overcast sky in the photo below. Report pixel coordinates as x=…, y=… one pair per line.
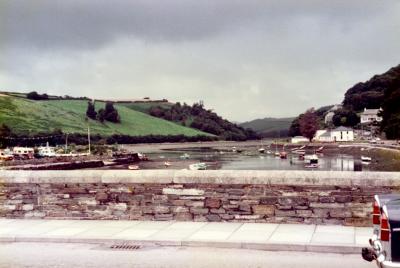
x=245, y=59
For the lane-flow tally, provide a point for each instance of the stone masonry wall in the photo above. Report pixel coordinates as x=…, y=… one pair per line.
x=241, y=196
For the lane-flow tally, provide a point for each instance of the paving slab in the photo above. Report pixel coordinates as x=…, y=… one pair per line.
x=253, y=232
x=262, y=236
x=292, y=234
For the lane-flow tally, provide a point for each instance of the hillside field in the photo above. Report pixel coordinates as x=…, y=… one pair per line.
x=26, y=116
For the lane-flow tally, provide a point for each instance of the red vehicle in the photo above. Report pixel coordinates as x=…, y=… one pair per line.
x=385, y=240
x=6, y=155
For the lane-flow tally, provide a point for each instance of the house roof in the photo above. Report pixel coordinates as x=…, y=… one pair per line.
x=300, y=137
x=326, y=135
x=370, y=112
x=341, y=128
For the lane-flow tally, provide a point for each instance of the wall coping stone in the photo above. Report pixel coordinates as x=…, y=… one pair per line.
x=272, y=177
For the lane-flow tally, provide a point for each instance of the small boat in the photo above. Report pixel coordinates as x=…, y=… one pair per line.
x=311, y=166
x=311, y=159
x=167, y=164
x=261, y=150
x=185, y=156
x=269, y=152
x=198, y=166
x=133, y=167
x=366, y=159
x=283, y=155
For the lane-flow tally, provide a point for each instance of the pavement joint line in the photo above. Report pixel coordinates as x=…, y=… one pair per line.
x=234, y=231
x=269, y=237
x=273, y=232
x=314, y=231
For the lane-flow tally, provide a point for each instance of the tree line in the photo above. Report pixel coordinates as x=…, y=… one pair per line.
x=196, y=116
x=109, y=113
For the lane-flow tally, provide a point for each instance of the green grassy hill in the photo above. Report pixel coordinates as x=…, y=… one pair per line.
x=268, y=124
x=25, y=116
x=144, y=107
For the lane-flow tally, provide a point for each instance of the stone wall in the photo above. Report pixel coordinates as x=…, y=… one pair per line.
x=245, y=196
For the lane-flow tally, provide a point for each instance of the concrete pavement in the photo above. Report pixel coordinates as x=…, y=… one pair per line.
x=263, y=236
x=43, y=255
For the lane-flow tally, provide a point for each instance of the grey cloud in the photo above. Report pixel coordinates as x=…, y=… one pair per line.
x=245, y=59
x=52, y=24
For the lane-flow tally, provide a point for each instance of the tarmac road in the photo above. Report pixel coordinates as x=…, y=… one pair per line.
x=92, y=255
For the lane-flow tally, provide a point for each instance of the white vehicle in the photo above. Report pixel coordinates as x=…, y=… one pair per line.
x=23, y=153
x=46, y=151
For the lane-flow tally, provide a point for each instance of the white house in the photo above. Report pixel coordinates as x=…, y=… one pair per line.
x=342, y=134
x=299, y=139
x=370, y=116
x=338, y=134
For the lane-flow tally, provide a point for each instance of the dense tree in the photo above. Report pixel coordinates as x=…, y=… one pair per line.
x=294, y=129
x=36, y=96
x=5, y=131
x=91, y=111
x=345, y=117
x=111, y=114
x=309, y=124
x=391, y=113
x=101, y=115
x=196, y=116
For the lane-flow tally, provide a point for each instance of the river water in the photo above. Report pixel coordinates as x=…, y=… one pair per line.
x=248, y=160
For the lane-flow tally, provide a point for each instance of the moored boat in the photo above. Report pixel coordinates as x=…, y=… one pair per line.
x=198, y=166
x=366, y=159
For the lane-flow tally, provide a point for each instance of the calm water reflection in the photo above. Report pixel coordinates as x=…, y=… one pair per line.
x=255, y=161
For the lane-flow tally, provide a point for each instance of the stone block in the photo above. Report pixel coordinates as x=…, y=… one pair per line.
x=161, y=209
x=174, y=191
x=304, y=213
x=183, y=216
x=285, y=213
x=340, y=213
x=178, y=202
x=213, y=218
x=326, y=199
x=244, y=207
x=268, y=210
x=361, y=212
x=326, y=205
x=163, y=217
x=212, y=203
x=27, y=207
x=179, y=209
x=247, y=217
x=102, y=197
x=343, y=199
x=120, y=206
x=194, y=203
x=218, y=211
x=320, y=212
x=197, y=210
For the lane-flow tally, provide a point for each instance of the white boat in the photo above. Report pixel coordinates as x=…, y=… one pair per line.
x=366, y=159
x=167, y=164
x=133, y=167
x=46, y=151
x=185, y=156
x=198, y=166
x=311, y=166
x=311, y=159
x=261, y=150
